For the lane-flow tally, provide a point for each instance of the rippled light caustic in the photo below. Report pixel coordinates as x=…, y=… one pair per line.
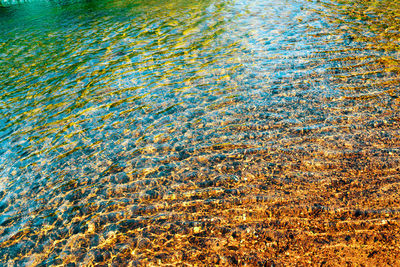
x=199, y=132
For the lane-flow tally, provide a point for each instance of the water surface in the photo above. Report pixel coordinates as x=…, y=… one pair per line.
x=158, y=132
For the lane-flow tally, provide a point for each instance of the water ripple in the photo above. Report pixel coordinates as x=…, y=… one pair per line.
x=146, y=131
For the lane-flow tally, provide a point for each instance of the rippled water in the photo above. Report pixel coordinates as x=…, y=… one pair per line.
x=155, y=132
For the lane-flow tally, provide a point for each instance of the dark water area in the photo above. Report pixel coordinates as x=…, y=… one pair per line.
x=155, y=132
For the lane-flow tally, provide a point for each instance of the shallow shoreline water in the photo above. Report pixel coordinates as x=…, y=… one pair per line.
x=215, y=132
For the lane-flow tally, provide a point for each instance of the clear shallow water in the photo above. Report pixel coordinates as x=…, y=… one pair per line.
x=129, y=127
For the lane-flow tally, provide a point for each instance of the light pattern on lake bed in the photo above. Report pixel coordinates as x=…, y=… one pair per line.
x=240, y=132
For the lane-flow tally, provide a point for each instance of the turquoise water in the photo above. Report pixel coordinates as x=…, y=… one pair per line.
x=122, y=121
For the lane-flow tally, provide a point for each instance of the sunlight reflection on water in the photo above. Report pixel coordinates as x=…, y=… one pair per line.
x=127, y=124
